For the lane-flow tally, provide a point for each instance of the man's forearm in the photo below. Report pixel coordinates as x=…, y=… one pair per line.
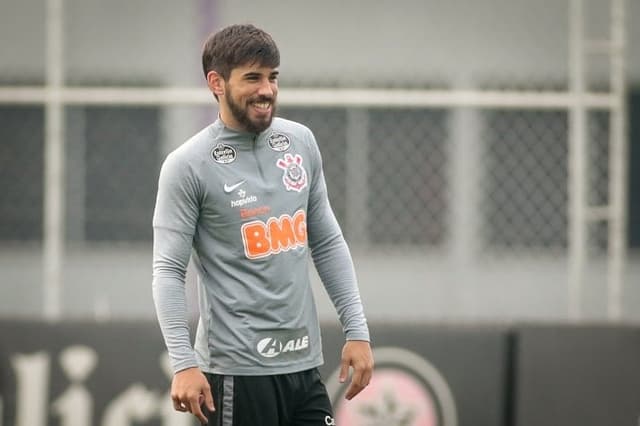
x=171, y=254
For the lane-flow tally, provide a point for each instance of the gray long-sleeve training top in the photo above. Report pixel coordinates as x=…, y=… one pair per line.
x=248, y=208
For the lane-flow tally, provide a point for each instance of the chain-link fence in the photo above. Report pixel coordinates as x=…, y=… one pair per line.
x=524, y=180
x=394, y=178
x=21, y=172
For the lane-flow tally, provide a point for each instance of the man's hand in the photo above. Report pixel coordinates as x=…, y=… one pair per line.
x=189, y=389
x=356, y=354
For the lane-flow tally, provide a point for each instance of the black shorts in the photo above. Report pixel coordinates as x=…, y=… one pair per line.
x=278, y=400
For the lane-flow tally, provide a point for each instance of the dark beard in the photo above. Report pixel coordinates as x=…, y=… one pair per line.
x=242, y=117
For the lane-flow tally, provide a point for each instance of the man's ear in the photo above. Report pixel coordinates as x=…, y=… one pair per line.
x=215, y=83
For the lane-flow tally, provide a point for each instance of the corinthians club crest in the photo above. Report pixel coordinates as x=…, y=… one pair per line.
x=294, y=177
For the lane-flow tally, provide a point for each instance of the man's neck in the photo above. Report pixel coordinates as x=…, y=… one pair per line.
x=229, y=123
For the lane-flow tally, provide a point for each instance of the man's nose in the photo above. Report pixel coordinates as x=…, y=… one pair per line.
x=266, y=88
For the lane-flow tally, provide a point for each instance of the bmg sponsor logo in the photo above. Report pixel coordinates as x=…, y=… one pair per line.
x=278, y=234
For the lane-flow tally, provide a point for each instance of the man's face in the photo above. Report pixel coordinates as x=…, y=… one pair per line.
x=249, y=101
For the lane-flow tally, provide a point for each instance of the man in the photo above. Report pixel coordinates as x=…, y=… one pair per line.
x=248, y=195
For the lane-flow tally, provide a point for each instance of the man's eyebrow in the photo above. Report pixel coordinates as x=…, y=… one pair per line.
x=258, y=74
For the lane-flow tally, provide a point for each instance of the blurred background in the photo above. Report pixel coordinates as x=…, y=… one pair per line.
x=482, y=158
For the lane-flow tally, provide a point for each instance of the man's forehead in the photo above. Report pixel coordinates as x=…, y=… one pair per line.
x=253, y=67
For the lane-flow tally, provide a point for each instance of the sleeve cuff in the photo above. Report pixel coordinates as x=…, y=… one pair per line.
x=358, y=335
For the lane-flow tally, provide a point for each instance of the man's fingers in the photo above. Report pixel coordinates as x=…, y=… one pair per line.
x=356, y=384
x=357, y=354
x=197, y=411
x=192, y=405
x=177, y=405
x=191, y=392
x=353, y=390
x=344, y=371
x=357, y=377
x=366, y=379
x=208, y=400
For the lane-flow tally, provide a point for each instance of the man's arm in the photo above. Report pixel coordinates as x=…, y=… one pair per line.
x=174, y=222
x=333, y=262
x=189, y=387
x=171, y=253
x=334, y=265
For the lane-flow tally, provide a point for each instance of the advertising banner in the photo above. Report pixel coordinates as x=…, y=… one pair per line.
x=117, y=374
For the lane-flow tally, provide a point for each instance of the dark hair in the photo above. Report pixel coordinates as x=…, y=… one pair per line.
x=238, y=45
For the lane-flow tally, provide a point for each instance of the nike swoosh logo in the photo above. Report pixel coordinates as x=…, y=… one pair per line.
x=230, y=188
